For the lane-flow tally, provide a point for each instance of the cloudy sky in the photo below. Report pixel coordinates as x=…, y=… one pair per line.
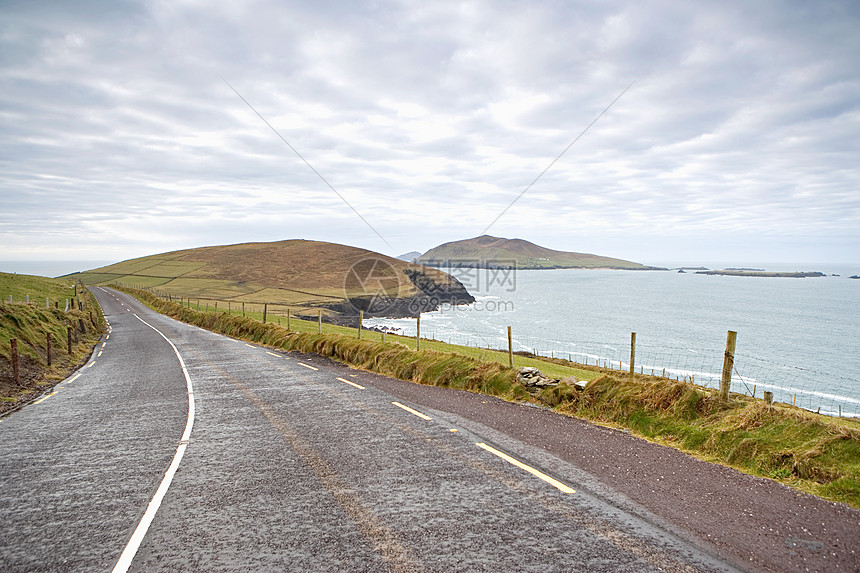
x=739, y=139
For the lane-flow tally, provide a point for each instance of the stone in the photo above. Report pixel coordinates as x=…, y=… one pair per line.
x=532, y=379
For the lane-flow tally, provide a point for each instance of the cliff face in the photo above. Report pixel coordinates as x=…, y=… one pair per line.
x=435, y=290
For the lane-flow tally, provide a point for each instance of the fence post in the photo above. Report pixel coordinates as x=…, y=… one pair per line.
x=728, y=364
x=15, y=372
x=360, y=321
x=48, y=347
x=632, y=353
x=418, y=332
x=69, y=339
x=243, y=309
x=768, y=397
x=265, y=308
x=288, y=319
x=510, y=349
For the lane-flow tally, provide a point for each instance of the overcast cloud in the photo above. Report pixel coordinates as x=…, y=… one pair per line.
x=739, y=140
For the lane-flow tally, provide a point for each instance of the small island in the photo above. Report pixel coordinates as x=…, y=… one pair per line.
x=761, y=273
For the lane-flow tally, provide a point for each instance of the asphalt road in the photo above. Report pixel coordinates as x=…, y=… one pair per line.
x=293, y=463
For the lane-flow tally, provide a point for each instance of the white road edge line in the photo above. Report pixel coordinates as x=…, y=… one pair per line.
x=411, y=411
x=537, y=473
x=130, y=550
x=345, y=381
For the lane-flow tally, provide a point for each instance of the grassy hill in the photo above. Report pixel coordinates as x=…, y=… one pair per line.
x=516, y=252
x=29, y=322
x=303, y=274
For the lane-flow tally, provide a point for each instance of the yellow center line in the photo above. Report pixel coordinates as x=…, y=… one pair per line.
x=100, y=353
x=90, y=365
x=104, y=344
x=531, y=470
x=411, y=411
x=40, y=400
x=250, y=345
x=273, y=354
x=307, y=366
x=359, y=386
x=73, y=378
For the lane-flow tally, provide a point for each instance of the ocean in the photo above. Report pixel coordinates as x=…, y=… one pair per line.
x=799, y=338
x=50, y=268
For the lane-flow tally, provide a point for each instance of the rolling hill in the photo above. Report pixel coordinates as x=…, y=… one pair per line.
x=499, y=252
x=304, y=274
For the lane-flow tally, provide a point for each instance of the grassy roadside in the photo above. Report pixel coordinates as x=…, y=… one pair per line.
x=29, y=323
x=813, y=453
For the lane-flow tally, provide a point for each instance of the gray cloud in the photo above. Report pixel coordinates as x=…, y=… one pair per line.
x=121, y=139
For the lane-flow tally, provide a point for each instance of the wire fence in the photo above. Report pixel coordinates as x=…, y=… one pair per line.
x=811, y=389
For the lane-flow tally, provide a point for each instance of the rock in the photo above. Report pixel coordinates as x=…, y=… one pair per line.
x=572, y=381
x=532, y=379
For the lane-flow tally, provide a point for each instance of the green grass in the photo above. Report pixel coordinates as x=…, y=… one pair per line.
x=277, y=315
x=38, y=288
x=29, y=325
x=810, y=452
x=814, y=453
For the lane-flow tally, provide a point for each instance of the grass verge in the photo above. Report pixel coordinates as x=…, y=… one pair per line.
x=810, y=452
x=29, y=324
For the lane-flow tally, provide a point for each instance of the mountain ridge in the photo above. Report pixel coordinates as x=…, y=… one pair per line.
x=299, y=272
x=487, y=250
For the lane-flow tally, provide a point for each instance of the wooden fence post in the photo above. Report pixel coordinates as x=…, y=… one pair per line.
x=510, y=349
x=632, y=353
x=243, y=309
x=418, y=332
x=15, y=371
x=319, y=321
x=48, y=347
x=265, y=308
x=728, y=364
x=69, y=339
x=768, y=397
x=288, y=319
x=360, y=321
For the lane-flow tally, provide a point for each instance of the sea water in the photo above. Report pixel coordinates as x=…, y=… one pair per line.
x=799, y=338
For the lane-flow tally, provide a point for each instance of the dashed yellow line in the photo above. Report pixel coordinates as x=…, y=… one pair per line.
x=90, y=365
x=273, y=354
x=411, y=411
x=537, y=473
x=43, y=398
x=307, y=366
x=250, y=345
x=100, y=353
x=351, y=383
x=73, y=378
